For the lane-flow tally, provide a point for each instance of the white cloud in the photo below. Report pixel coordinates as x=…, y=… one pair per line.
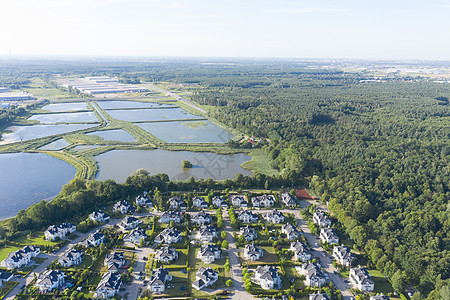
x=306, y=10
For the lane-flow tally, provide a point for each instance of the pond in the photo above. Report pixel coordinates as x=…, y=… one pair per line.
x=160, y=114
x=60, y=107
x=38, y=131
x=119, y=164
x=56, y=145
x=187, y=132
x=36, y=177
x=114, y=135
x=81, y=117
x=129, y=104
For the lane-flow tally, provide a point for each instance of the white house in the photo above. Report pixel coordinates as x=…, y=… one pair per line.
x=201, y=218
x=263, y=201
x=252, y=252
x=135, y=236
x=275, y=216
x=343, y=256
x=300, y=251
x=288, y=200
x=114, y=261
x=144, y=200
x=169, y=216
x=166, y=254
x=319, y=296
x=122, y=206
x=94, y=239
x=248, y=233
x=379, y=297
x=320, y=218
x=219, y=202
x=169, y=236
x=291, y=231
x=268, y=277
x=177, y=203
x=71, y=258
x=59, y=231
x=49, y=280
x=5, y=276
x=158, y=279
x=314, y=275
x=199, y=202
x=108, y=286
x=205, y=277
x=328, y=235
x=246, y=216
x=207, y=233
x=238, y=200
x=99, y=216
x=20, y=257
x=361, y=280
x=209, y=253
x=128, y=223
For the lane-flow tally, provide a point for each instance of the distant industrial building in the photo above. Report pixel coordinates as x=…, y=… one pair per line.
x=16, y=96
x=4, y=89
x=102, y=85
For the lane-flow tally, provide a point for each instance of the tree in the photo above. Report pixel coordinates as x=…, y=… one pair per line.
x=229, y=283
x=223, y=235
x=225, y=245
x=141, y=243
x=186, y=164
x=399, y=281
x=172, y=224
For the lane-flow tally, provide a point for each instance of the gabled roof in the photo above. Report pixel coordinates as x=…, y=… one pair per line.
x=110, y=281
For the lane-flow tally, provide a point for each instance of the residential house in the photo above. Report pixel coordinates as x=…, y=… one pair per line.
x=169, y=216
x=246, y=216
x=320, y=218
x=205, y=277
x=252, y=252
x=166, y=254
x=275, y=216
x=20, y=257
x=343, y=256
x=49, y=280
x=59, y=231
x=123, y=207
x=128, y=223
x=114, y=261
x=288, y=200
x=169, y=236
x=301, y=253
x=248, y=233
x=135, y=236
x=5, y=276
x=219, y=202
x=238, y=200
x=361, y=280
x=199, y=202
x=201, y=218
x=263, y=201
x=144, y=200
x=177, y=203
x=313, y=275
x=379, y=297
x=108, y=286
x=99, y=216
x=94, y=239
x=268, y=277
x=71, y=258
x=291, y=231
x=209, y=253
x=206, y=234
x=319, y=296
x=329, y=235
x=158, y=279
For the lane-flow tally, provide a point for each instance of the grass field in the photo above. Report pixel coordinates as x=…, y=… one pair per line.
x=180, y=263
x=382, y=285
x=260, y=163
x=4, y=251
x=269, y=257
x=38, y=240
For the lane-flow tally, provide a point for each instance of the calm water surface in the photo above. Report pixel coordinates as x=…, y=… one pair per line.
x=129, y=104
x=119, y=164
x=59, y=107
x=162, y=114
x=56, y=145
x=66, y=117
x=36, y=177
x=114, y=135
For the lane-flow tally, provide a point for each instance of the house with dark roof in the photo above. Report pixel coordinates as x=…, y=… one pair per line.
x=275, y=216
x=99, y=216
x=177, y=203
x=49, y=280
x=288, y=200
x=290, y=231
x=199, y=202
x=5, y=276
x=59, y=231
x=238, y=200
x=71, y=258
x=320, y=218
x=207, y=233
x=209, y=253
x=313, y=275
x=379, y=297
x=248, y=233
x=343, y=256
x=108, y=286
x=135, y=236
x=219, y=202
x=201, y=218
x=129, y=222
x=169, y=216
x=205, y=277
x=252, y=252
x=166, y=254
x=144, y=200
x=20, y=257
x=114, y=261
x=123, y=207
x=361, y=280
x=301, y=253
x=319, y=296
x=263, y=201
x=267, y=277
x=158, y=279
x=169, y=236
x=329, y=235
x=94, y=239
x=247, y=216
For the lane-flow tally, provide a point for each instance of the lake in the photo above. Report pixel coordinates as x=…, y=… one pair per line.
x=56, y=145
x=187, y=132
x=60, y=107
x=129, y=104
x=119, y=164
x=36, y=177
x=114, y=135
x=160, y=114
x=38, y=131
x=81, y=117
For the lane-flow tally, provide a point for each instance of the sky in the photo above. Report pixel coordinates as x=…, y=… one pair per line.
x=377, y=29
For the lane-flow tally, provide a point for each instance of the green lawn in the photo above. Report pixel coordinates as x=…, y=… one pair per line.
x=4, y=251
x=180, y=263
x=292, y=272
x=38, y=240
x=85, y=263
x=269, y=256
x=195, y=263
x=382, y=285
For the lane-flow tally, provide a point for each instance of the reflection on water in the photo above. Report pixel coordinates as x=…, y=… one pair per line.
x=56, y=145
x=137, y=115
x=66, y=118
x=72, y=106
x=129, y=104
x=114, y=135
